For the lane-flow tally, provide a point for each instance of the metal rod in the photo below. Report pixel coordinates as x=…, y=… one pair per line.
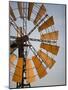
x=14, y=24
x=35, y=53
x=39, y=40
x=13, y=50
x=13, y=37
x=15, y=28
x=32, y=49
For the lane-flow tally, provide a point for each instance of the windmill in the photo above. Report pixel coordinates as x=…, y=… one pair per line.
x=24, y=73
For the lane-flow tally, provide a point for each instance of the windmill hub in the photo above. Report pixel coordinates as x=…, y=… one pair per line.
x=21, y=40
x=25, y=38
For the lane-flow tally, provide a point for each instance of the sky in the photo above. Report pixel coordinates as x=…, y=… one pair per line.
x=55, y=76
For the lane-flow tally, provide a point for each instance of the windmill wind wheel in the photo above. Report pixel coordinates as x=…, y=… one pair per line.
x=25, y=69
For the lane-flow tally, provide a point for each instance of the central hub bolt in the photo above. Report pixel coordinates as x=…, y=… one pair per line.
x=25, y=38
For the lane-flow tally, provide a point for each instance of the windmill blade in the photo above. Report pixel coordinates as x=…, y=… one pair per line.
x=30, y=7
x=29, y=71
x=47, y=60
x=50, y=48
x=50, y=36
x=41, y=70
x=12, y=58
x=12, y=13
x=46, y=24
x=41, y=12
x=20, y=8
x=17, y=77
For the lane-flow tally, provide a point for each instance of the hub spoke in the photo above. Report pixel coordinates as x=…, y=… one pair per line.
x=39, y=40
